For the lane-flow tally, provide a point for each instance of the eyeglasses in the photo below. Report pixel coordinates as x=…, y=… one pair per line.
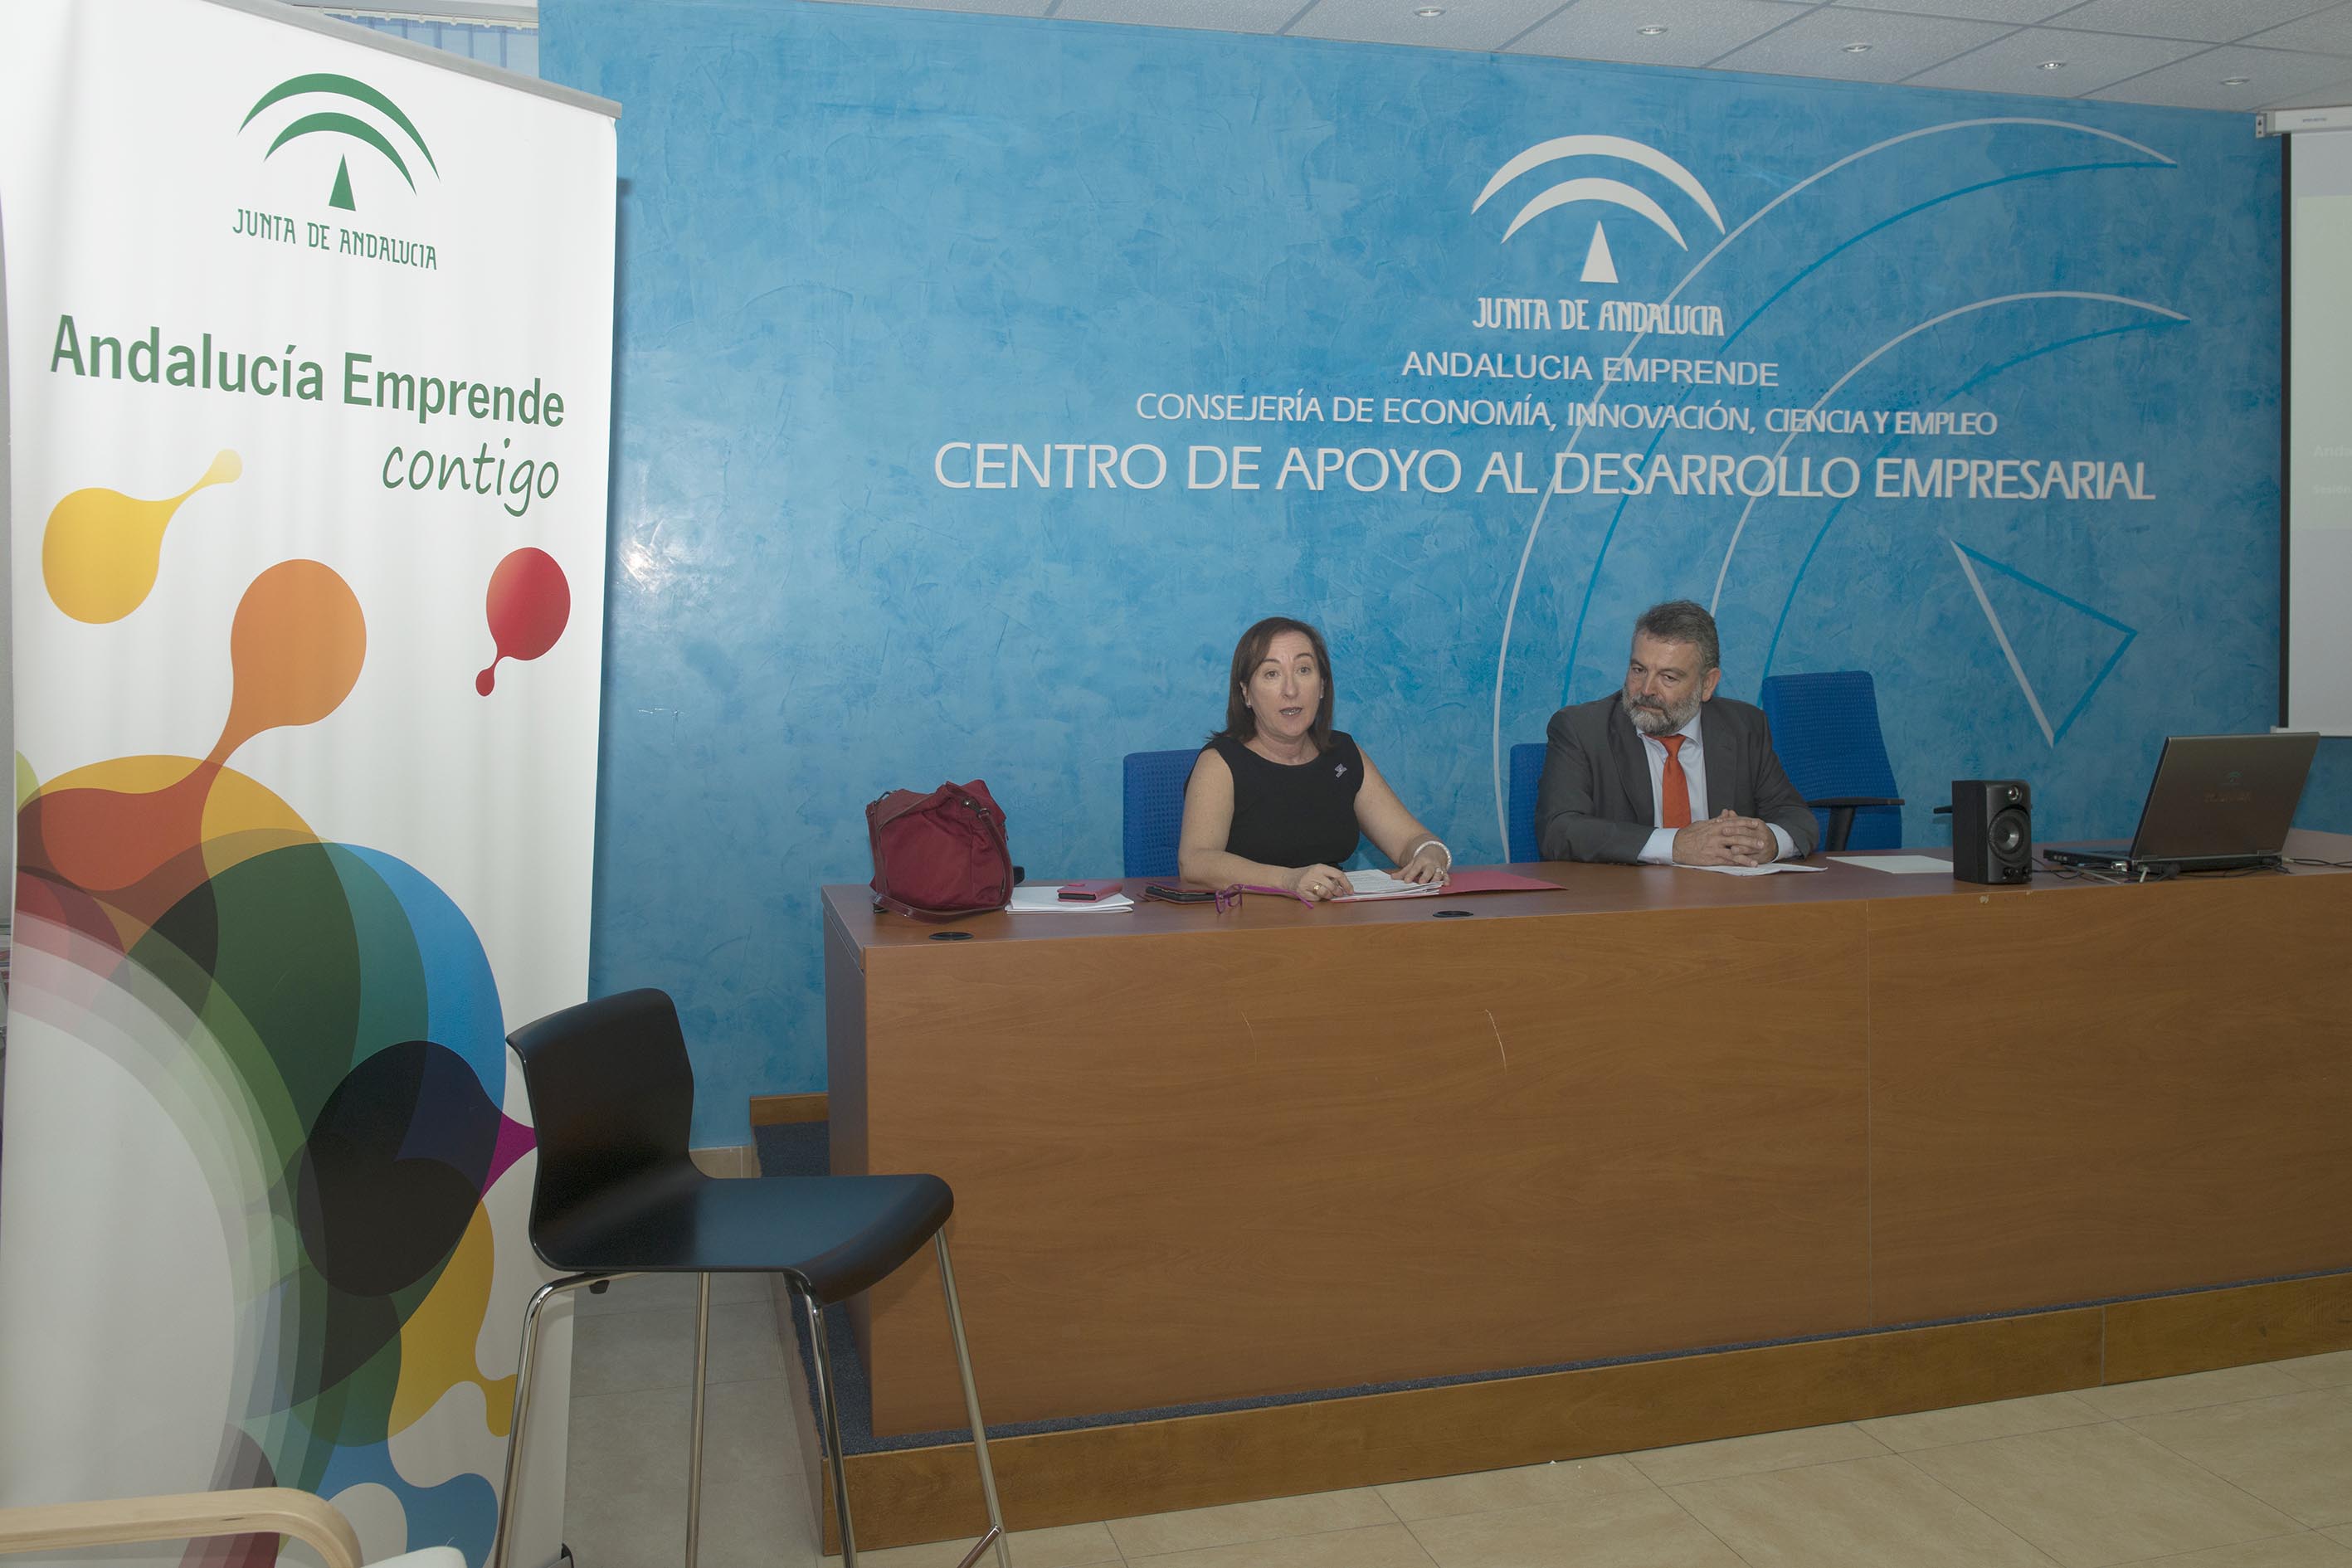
x=1229, y=897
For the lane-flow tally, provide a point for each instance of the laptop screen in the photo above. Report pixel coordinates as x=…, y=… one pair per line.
x=2223, y=797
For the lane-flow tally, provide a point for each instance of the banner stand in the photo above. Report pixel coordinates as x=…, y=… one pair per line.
x=308, y=393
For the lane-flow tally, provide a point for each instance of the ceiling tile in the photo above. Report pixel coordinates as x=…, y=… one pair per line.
x=2138, y=51
x=2199, y=83
x=995, y=7
x=2207, y=21
x=1227, y=15
x=2328, y=32
x=1465, y=25
x=2019, y=12
x=2092, y=60
x=2334, y=95
x=1696, y=31
x=1816, y=46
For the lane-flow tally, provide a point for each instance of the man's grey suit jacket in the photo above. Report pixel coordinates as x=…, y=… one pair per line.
x=1594, y=803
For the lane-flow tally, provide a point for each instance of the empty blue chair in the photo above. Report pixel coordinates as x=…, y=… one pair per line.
x=1825, y=729
x=1151, y=813
x=1526, y=771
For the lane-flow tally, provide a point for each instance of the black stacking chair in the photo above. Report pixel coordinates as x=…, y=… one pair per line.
x=611, y=1093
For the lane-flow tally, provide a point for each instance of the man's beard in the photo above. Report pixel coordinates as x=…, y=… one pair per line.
x=1663, y=720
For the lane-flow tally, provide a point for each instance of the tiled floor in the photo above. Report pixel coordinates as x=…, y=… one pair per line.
x=2246, y=1469
x=632, y=1395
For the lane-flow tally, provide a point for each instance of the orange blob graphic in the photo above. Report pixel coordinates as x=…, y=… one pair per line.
x=116, y=842
x=102, y=549
x=527, y=605
x=143, y=832
x=294, y=649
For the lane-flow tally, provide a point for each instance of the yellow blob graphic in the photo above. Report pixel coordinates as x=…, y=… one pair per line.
x=436, y=1343
x=27, y=781
x=101, y=549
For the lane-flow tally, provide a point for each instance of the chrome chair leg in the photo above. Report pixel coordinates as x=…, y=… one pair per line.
x=828, y=1399
x=694, y=1451
x=971, y=1410
x=539, y=1298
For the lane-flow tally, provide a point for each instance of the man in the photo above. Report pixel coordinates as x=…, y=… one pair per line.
x=1664, y=772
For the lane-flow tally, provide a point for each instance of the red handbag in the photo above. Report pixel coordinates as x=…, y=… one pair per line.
x=942, y=855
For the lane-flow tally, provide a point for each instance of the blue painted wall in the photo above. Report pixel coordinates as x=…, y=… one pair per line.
x=852, y=236
x=2327, y=798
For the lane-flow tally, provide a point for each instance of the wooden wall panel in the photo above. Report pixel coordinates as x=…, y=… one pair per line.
x=2108, y=1091
x=2167, y=1335
x=1199, y=1157
x=845, y=1068
x=1219, y=1163
x=788, y=1110
x=1067, y=1477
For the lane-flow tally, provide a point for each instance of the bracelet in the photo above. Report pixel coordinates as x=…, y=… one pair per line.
x=1425, y=844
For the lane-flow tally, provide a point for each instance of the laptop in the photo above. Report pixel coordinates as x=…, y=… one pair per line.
x=2218, y=802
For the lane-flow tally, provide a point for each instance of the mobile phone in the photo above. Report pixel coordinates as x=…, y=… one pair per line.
x=1086, y=892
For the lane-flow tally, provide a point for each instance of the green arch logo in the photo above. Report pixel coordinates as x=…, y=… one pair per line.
x=336, y=122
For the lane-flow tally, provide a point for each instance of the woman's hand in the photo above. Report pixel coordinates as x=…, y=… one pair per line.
x=1430, y=863
x=1313, y=882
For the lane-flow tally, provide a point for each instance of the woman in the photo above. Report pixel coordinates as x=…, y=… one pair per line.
x=1279, y=796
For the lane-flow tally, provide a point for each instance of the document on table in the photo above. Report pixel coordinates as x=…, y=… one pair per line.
x=1046, y=899
x=1904, y=865
x=1766, y=869
x=1363, y=886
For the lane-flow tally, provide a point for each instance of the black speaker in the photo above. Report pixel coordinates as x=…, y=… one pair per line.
x=1992, y=830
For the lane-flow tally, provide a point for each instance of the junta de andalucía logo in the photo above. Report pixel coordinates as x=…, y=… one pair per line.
x=337, y=122
x=331, y=98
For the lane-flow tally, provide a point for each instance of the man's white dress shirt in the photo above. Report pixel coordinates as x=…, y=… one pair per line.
x=1660, y=849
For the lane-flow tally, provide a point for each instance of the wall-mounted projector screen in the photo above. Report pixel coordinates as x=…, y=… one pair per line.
x=2317, y=659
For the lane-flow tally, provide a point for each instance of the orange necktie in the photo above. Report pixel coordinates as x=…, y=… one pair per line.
x=1673, y=786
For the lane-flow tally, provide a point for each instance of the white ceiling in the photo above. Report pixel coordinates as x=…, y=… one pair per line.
x=2189, y=54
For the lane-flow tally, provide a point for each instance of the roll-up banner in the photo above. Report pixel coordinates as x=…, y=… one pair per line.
x=309, y=370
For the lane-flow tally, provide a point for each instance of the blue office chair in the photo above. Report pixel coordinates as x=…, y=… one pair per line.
x=1152, y=811
x=1527, y=773
x=1825, y=729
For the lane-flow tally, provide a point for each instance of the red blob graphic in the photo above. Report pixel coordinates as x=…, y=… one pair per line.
x=528, y=604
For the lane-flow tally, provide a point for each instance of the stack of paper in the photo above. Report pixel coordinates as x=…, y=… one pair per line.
x=1367, y=885
x=1770, y=868
x=1044, y=898
x=1903, y=865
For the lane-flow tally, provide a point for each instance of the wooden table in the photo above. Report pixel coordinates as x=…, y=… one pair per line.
x=1202, y=1156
